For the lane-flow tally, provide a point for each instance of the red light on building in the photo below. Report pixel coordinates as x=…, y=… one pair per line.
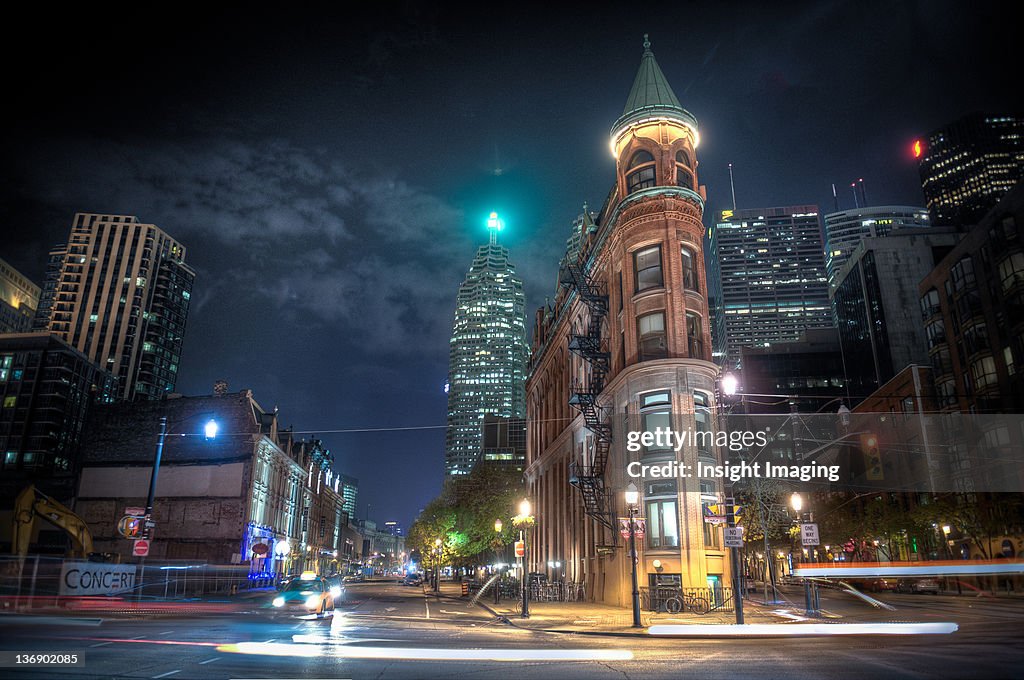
x=918, y=148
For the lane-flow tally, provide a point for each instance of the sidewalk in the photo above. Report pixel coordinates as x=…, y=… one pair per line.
x=601, y=619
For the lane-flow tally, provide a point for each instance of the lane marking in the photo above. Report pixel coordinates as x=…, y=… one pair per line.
x=203, y=663
x=100, y=644
x=427, y=603
x=165, y=674
x=167, y=632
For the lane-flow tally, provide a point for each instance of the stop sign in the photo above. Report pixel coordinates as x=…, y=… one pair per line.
x=520, y=548
x=141, y=548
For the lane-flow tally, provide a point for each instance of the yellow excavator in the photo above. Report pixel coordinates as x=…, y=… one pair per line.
x=32, y=503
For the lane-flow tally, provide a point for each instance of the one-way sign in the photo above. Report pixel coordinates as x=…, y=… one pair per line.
x=809, y=534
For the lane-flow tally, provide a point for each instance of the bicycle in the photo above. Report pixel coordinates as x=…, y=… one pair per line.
x=693, y=603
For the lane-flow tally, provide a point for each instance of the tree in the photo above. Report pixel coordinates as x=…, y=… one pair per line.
x=463, y=516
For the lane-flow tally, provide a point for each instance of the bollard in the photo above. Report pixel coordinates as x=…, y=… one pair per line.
x=465, y=588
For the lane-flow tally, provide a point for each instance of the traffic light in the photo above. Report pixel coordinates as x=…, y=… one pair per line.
x=872, y=456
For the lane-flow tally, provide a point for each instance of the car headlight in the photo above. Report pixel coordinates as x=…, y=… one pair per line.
x=278, y=601
x=313, y=601
x=335, y=591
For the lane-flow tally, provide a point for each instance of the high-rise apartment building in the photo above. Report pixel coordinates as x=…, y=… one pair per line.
x=119, y=292
x=19, y=299
x=972, y=305
x=772, y=268
x=845, y=229
x=968, y=165
x=488, y=352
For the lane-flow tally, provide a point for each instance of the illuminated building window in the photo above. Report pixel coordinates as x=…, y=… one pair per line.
x=662, y=524
x=651, y=333
x=641, y=172
x=647, y=268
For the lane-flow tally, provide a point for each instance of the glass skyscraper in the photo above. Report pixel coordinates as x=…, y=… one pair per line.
x=772, y=267
x=488, y=352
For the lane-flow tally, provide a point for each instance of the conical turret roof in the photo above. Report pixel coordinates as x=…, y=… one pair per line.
x=651, y=95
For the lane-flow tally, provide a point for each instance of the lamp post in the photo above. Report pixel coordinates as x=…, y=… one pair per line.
x=796, y=501
x=523, y=519
x=632, y=499
x=437, y=565
x=497, y=544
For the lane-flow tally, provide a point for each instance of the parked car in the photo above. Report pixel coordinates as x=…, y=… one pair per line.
x=873, y=585
x=917, y=585
x=354, y=578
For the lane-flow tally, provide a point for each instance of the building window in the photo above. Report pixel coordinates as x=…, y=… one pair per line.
x=651, y=332
x=962, y=274
x=662, y=524
x=694, y=336
x=702, y=423
x=684, y=178
x=9, y=402
x=983, y=373
x=930, y=304
x=1011, y=271
x=655, y=414
x=622, y=295
x=641, y=172
x=689, y=271
x=647, y=268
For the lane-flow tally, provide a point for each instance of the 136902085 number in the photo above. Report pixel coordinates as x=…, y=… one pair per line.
x=40, y=659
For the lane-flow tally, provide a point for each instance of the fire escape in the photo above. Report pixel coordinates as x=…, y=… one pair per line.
x=589, y=479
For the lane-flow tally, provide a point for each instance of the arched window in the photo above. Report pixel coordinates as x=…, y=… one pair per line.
x=684, y=175
x=641, y=171
x=639, y=158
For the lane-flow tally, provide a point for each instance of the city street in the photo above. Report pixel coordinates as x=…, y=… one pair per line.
x=385, y=630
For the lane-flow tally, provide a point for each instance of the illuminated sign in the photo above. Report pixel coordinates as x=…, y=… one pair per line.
x=726, y=214
x=918, y=148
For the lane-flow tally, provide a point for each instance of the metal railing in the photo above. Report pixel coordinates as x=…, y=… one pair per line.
x=656, y=598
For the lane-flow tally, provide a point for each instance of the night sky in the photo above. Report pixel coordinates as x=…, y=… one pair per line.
x=330, y=174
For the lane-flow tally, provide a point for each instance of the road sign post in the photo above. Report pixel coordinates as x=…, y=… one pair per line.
x=141, y=547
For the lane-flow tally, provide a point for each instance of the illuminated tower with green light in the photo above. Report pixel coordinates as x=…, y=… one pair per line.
x=488, y=352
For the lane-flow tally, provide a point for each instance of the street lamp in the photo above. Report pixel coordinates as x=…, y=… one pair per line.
x=632, y=499
x=523, y=519
x=210, y=431
x=497, y=544
x=797, y=503
x=437, y=565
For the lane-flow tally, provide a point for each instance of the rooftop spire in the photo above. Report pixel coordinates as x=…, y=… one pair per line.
x=650, y=88
x=651, y=97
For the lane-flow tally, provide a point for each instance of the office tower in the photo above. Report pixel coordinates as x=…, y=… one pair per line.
x=488, y=352
x=968, y=165
x=626, y=344
x=716, y=312
x=119, y=292
x=810, y=368
x=874, y=291
x=845, y=229
x=19, y=299
x=772, y=268
x=972, y=305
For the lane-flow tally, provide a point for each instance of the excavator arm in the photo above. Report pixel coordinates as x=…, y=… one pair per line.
x=32, y=503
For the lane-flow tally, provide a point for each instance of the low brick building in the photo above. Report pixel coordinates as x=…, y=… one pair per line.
x=254, y=494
